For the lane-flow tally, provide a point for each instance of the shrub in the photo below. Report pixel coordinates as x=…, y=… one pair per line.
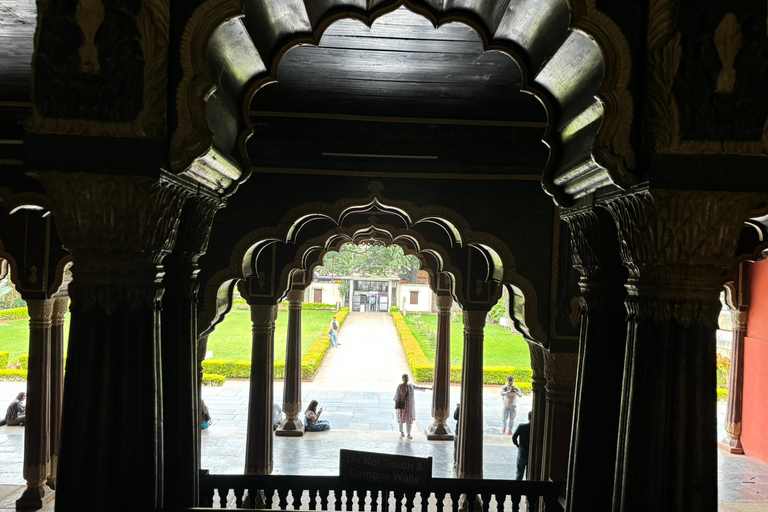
x=242, y=369
x=394, y=309
x=4, y=356
x=13, y=375
x=24, y=361
x=229, y=369
x=345, y=308
x=723, y=371
x=14, y=314
x=424, y=371
x=722, y=394
x=318, y=306
x=211, y=379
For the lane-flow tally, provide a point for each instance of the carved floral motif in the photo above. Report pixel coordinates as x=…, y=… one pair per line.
x=679, y=247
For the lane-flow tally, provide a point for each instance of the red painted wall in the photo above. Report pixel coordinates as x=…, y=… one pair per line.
x=754, y=434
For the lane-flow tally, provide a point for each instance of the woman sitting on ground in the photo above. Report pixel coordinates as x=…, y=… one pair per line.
x=313, y=422
x=15, y=414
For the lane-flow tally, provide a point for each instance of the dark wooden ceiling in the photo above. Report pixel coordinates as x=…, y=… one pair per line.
x=403, y=67
x=399, y=97
x=18, y=19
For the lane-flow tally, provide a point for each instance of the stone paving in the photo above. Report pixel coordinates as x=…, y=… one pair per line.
x=364, y=419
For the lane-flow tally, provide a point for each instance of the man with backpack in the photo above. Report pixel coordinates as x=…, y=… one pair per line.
x=334, y=332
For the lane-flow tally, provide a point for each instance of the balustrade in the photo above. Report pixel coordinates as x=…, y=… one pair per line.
x=282, y=492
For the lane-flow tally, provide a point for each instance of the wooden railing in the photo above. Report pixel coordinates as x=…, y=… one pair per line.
x=282, y=492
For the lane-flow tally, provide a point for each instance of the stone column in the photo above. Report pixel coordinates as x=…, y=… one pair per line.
x=470, y=461
x=57, y=381
x=292, y=425
x=37, y=455
x=181, y=391
x=679, y=247
x=538, y=412
x=732, y=442
x=560, y=369
x=118, y=229
x=441, y=397
x=595, y=255
x=258, y=451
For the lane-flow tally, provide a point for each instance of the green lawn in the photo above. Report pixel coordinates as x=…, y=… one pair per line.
x=232, y=338
x=502, y=348
x=14, y=338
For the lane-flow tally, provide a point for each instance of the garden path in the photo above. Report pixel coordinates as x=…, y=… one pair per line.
x=370, y=357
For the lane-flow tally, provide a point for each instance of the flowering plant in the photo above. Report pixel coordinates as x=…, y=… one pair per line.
x=723, y=370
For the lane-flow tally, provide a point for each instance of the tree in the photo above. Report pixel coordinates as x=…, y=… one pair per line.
x=369, y=260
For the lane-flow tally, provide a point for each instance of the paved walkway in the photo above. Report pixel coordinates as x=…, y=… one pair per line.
x=371, y=360
x=369, y=357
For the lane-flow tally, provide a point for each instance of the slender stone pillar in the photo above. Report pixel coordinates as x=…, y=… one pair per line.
x=679, y=247
x=118, y=229
x=561, y=382
x=37, y=455
x=292, y=426
x=181, y=392
x=57, y=381
x=470, y=462
x=595, y=255
x=258, y=451
x=441, y=397
x=538, y=412
x=732, y=442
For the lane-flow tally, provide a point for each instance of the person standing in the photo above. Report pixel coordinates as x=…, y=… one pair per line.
x=15, y=415
x=405, y=404
x=522, y=439
x=456, y=415
x=509, y=395
x=334, y=332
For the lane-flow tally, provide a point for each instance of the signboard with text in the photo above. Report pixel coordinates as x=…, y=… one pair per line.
x=389, y=471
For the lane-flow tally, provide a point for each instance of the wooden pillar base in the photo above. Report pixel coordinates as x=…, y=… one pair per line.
x=437, y=432
x=35, y=498
x=290, y=427
x=731, y=445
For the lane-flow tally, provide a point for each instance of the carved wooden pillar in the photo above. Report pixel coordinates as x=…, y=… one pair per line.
x=441, y=398
x=561, y=382
x=595, y=255
x=57, y=381
x=181, y=393
x=118, y=228
x=732, y=442
x=678, y=247
x=292, y=425
x=258, y=451
x=37, y=455
x=538, y=412
x=470, y=461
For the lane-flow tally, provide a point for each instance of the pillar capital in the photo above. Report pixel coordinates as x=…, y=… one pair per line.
x=444, y=304
x=678, y=246
x=474, y=322
x=263, y=315
x=59, y=310
x=40, y=313
x=739, y=320
x=295, y=298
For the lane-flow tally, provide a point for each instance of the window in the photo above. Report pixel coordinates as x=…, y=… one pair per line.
x=318, y=295
x=414, y=297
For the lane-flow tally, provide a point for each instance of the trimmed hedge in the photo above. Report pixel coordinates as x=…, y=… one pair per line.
x=4, y=356
x=211, y=379
x=14, y=314
x=13, y=375
x=23, y=361
x=424, y=371
x=242, y=369
x=722, y=394
x=394, y=309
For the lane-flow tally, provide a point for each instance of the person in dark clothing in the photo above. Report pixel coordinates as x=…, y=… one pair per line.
x=522, y=439
x=456, y=436
x=16, y=412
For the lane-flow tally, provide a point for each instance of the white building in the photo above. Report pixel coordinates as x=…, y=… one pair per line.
x=371, y=293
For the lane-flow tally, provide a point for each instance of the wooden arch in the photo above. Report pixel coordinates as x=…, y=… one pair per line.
x=574, y=59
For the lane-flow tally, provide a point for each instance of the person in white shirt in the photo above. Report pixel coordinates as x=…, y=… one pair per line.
x=509, y=395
